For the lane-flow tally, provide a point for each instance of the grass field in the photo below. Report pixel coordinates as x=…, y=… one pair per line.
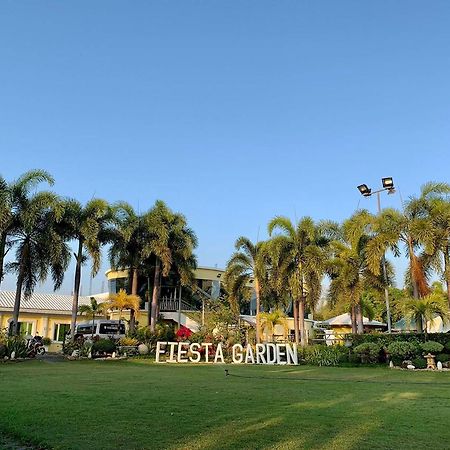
x=142, y=405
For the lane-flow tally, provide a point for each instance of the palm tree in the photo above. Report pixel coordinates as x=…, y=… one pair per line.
x=246, y=265
x=92, y=311
x=88, y=226
x=350, y=267
x=126, y=250
x=426, y=309
x=303, y=248
x=170, y=242
x=270, y=319
x=121, y=301
x=12, y=197
x=433, y=228
x=40, y=248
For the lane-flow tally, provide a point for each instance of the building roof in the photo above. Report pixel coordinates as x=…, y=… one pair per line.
x=52, y=303
x=345, y=319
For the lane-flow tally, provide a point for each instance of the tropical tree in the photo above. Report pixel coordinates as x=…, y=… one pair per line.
x=126, y=250
x=302, y=250
x=12, y=198
x=93, y=310
x=426, y=309
x=170, y=243
x=40, y=248
x=122, y=301
x=350, y=267
x=89, y=226
x=269, y=320
x=433, y=230
x=245, y=266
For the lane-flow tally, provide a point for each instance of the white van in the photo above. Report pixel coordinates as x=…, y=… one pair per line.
x=102, y=328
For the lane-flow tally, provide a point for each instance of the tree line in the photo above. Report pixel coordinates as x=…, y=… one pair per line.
x=291, y=265
x=37, y=226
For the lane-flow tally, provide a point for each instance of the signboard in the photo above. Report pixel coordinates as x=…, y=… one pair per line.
x=206, y=352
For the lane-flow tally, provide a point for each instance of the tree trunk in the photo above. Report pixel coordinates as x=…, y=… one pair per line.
x=301, y=322
x=134, y=288
x=155, y=296
x=2, y=255
x=359, y=319
x=20, y=277
x=296, y=328
x=446, y=271
x=258, y=310
x=412, y=257
x=76, y=289
x=353, y=318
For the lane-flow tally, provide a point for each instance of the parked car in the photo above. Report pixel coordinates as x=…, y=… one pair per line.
x=102, y=328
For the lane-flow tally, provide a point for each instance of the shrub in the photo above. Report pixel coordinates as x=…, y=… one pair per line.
x=128, y=341
x=3, y=350
x=18, y=345
x=46, y=341
x=447, y=346
x=103, y=346
x=419, y=363
x=367, y=352
x=443, y=357
x=322, y=355
x=431, y=347
x=402, y=350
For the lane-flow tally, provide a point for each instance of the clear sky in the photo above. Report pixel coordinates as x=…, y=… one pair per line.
x=230, y=111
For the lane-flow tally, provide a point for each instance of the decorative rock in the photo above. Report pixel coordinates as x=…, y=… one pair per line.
x=439, y=365
x=6, y=358
x=90, y=355
x=143, y=349
x=113, y=355
x=13, y=356
x=391, y=365
x=410, y=367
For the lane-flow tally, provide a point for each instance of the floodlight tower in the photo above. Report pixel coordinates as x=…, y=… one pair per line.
x=388, y=186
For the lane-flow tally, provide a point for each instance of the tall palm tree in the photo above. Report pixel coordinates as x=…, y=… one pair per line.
x=304, y=250
x=88, y=226
x=12, y=198
x=350, y=267
x=93, y=310
x=170, y=242
x=126, y=250
x=40, y=248
x=433, y=229
x=246, y=265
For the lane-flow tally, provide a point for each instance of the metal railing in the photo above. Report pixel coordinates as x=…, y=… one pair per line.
x=172, y=305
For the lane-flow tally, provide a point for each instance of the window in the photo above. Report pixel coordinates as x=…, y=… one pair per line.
x=24, y=328
x=85, y=329
x=111, y=328
x=60, y=330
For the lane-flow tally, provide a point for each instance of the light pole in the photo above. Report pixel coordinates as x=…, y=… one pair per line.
x=388, y=185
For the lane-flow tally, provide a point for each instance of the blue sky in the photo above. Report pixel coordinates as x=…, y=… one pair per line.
x=230, y=111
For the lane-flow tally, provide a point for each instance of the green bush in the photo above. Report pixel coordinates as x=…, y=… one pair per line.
x=367, y=352
x=3, y=351
x=103, y=346
x=447, y=346
x=46, y=341
x=402, y=350
x=431, y=347
x=443, y=357
x=18, y=345
x=419, y=363
x=323, y=355
x=385, y=339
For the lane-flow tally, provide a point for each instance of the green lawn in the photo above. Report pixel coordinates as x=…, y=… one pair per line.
x=142, y=405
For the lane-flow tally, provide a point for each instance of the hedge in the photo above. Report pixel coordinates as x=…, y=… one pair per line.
x=384, y=340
